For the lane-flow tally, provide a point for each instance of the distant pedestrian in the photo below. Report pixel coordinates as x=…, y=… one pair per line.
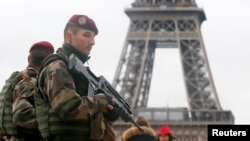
x=165, y=134
x=134, y=134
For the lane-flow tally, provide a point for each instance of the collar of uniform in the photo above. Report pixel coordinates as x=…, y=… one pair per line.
x=32, y=71
x=70, y=49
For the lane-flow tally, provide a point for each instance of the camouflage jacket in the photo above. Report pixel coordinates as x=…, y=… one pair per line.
x=23, y=102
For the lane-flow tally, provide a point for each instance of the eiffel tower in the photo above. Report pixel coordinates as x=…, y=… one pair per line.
x=169, y=24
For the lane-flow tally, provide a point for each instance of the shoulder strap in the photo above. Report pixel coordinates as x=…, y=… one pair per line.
x=50, y=58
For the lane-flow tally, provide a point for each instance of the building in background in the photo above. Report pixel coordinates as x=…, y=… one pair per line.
x=169, y=24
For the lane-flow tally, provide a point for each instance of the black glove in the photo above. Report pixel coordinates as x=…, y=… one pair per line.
x=112, y=115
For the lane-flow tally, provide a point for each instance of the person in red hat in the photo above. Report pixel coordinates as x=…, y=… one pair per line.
x=165, y=134
x=67, y=108
x=20, y=101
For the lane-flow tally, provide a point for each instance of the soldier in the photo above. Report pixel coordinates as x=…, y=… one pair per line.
x=65, y=111
x=23, y=110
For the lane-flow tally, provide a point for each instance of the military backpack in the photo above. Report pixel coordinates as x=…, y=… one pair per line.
x=6, y=99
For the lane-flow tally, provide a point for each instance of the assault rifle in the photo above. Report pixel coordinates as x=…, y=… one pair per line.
x=101, y=84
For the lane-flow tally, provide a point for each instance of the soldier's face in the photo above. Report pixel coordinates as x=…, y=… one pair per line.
x=83, y=40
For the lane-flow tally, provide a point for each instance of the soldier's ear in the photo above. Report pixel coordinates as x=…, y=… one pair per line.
x=29, y=59
x=69, y=36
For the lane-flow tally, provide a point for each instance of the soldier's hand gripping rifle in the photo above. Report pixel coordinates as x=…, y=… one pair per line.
x=101, y=84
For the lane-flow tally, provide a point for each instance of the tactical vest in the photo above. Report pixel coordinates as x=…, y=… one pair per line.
x=48, y=122
x=6, y=98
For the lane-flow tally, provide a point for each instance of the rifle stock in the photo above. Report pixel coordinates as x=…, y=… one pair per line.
x=101, y=84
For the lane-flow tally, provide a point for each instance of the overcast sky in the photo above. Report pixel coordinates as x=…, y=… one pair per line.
x=226, y=34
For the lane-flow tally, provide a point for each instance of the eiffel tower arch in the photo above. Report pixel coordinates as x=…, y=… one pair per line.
x=169, y=24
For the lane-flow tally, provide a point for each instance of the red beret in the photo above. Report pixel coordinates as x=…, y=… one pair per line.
x=43, y=45
x=83, y=21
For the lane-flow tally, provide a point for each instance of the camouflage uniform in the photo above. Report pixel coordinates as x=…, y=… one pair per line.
x=23, y=106
x=64, y=95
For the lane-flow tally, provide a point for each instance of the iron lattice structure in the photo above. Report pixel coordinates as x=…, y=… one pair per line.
x=169, y=24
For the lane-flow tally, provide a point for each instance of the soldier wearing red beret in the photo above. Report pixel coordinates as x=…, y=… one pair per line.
x=43, y=45
x=21, y=123
x=65, y=109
